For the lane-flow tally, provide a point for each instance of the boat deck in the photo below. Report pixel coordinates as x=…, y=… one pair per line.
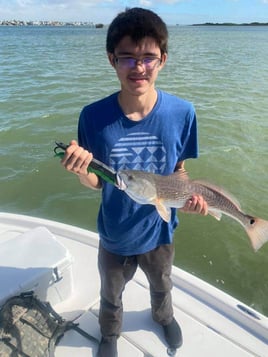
x=211, y=321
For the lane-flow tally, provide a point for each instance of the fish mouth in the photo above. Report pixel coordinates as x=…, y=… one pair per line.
x=119, y=182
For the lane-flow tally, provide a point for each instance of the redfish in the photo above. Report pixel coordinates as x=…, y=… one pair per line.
x=174, y=190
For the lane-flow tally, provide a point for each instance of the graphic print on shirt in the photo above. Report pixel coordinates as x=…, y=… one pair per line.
x=139, y=151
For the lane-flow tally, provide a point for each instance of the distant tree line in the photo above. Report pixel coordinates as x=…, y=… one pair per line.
x=232, y=24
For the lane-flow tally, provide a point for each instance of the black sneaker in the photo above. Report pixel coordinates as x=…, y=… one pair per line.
x=108, y=347
x=173, y=334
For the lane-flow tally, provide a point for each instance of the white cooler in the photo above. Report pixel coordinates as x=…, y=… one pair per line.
x=36, y=261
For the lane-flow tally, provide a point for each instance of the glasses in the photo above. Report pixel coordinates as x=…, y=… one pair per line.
x=130, y=62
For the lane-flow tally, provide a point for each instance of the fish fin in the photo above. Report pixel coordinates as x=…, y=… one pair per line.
x=163, y=211
x=224, y=192
x=216, y=214
x=257, y=231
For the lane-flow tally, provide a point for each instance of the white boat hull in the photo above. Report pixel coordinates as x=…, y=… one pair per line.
x=213, y=323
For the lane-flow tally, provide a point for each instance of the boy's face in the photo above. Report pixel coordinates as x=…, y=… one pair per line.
x=137, y=64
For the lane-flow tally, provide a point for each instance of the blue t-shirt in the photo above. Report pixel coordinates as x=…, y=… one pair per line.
x=167, y=135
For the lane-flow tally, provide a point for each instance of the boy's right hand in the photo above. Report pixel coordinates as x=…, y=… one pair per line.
x=76, y=159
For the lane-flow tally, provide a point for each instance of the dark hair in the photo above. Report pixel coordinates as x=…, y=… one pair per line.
x=137, y=23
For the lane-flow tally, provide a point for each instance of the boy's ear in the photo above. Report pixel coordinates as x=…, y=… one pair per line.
x=111, y=58
x=163, y=60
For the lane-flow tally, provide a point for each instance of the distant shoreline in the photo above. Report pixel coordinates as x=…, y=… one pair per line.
x=17, y=23
x=232, y=24
x=49, y=23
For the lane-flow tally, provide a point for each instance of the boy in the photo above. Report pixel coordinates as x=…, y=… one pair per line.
x=139, y=127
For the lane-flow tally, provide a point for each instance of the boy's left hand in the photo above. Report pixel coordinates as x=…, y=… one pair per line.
x=196, y=204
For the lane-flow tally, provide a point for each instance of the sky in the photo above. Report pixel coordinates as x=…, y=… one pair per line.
x=182, y=12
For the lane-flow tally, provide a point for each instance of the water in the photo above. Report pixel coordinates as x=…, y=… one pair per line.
x=49, y=74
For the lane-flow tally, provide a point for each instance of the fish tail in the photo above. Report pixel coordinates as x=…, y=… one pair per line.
x=257, y=230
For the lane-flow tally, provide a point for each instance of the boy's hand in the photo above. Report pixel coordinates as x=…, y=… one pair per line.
x=76, y=159
x=196, y=204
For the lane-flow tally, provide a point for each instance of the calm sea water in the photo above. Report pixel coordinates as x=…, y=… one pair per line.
x=49, y=74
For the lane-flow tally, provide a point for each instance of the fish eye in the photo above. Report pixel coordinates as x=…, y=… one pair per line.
x=131, y=177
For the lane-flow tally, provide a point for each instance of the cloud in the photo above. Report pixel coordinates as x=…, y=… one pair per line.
x=145, y=3
x=62, y=10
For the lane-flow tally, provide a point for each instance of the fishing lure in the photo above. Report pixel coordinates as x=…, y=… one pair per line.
x=95, y=166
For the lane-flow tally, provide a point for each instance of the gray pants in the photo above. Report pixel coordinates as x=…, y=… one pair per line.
x=116, y=270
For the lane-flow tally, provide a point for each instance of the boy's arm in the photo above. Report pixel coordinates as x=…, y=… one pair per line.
x=180, y=166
